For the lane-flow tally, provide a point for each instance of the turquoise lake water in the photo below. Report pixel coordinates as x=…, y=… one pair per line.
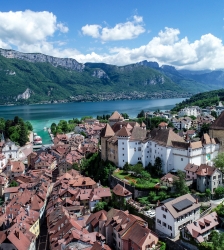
x=43, y=115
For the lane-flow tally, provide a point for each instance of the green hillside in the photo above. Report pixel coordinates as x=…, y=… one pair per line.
x=48, y=83
x=202, y=100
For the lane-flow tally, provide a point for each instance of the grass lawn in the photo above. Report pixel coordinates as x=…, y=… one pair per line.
x=132, y=179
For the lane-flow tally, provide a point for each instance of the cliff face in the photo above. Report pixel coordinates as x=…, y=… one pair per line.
x=67, y=63
x=25, y=95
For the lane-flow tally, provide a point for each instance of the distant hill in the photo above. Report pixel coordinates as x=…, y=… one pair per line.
x=202, y=100
x=34, y=77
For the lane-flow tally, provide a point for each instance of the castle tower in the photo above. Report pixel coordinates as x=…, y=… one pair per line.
x=106, y=133
x=116, y=117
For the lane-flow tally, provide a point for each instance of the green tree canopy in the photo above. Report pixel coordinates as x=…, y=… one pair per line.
x=219, y=161
x=100, y=206
x=180, y=185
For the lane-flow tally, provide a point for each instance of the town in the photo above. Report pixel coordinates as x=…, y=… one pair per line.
x=154, y=182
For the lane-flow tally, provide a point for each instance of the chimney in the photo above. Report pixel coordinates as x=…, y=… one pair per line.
x=197, y=201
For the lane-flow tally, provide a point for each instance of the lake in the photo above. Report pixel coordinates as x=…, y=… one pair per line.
x=42, y=115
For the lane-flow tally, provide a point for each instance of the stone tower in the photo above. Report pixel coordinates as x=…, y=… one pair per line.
x=106, y=133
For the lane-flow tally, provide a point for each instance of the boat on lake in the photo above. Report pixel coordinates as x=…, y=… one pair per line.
x=37, y=140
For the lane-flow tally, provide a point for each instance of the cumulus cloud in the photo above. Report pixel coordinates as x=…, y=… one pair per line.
x=92, y=30
x=121, y=31
x=28, y=26
x=29, y=31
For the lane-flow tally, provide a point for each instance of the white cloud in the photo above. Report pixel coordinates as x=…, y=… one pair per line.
x=28, y=26
x=121, y=31
x=91, y=30
x=167, y=48
x=62, y=27
x=29, y=31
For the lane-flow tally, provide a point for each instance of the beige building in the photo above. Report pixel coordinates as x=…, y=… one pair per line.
x=217, y=131
x=106, y=133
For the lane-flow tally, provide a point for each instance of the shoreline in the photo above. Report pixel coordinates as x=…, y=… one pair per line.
x=94, y=101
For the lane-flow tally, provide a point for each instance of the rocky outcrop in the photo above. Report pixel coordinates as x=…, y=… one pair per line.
x=67, y=63
x=25, y=95
x=153, y=65
x=99, y=73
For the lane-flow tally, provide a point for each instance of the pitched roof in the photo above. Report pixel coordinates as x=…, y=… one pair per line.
x=115, y=116
x=123, y=132
x=176, y=213
x=169, y=178
x=218, y=123
x=138, y=133
x=202, y=225
x=164, y=136
x=121, y=191
x=204, y=170
x=107, y=131
x=191, y=168
x=140, y=234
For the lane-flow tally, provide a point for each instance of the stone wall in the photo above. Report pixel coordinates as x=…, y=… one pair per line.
x=135, y=192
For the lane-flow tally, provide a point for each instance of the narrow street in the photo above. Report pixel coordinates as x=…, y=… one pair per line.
x=42, y=242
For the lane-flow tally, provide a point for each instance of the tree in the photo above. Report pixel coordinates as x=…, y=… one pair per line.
x=158, y=166
x=152, y=196
x=126, y=167
x=141, y=114
x=214, y=114
x=219, y=161
x=125, y=115
x=180, y=185
x=101, y=205
x=76, y=166
x=29, y=126
x=23, y=136
x=219, y=191
x=145, y=175
x=192, y=117
x=162, y=195
x=204, y=129
x=13, y=184
x=208, y=193
x=137, y=168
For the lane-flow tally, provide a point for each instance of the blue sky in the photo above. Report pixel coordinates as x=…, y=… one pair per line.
x=183, y=33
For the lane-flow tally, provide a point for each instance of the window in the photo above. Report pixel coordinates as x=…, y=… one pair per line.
x=164, y=216
x=123, y=154
x=123, y=143
x=139, y=148
x=163, y=208
x=182, y=159
x=164, y=224
x=159, y=221
x=169, y=227
x=122, y=148
x=214, y=177
x=123, y=160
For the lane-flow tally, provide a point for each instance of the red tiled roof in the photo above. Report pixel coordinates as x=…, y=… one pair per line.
x=121, y=191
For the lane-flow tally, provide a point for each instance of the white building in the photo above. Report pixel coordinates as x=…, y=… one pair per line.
x=136, y=144
x=174, y=214
x=188, y=111
x=10, y=150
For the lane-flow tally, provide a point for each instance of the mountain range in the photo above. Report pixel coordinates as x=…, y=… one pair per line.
x=37, y=78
